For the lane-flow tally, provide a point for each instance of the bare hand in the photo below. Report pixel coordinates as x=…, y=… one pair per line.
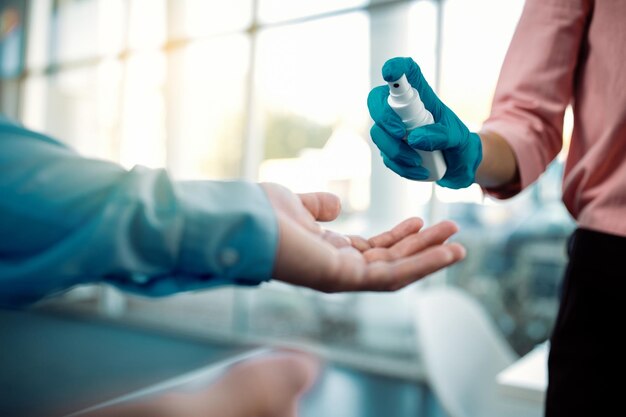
x=326, y=261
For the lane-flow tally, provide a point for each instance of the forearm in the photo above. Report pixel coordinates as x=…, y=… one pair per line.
x=498, y=166
x=66, y=220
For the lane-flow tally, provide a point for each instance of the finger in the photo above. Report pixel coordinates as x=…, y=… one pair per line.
x=359, y=243
x=415, y=173
x=322, y=206
x=395, y=149
x=336, y=239
x=413, y=243
x=391, y=276
x=378, y=254
x=394, y=68
x=417, y=242
x=382, y=114
x=284, y=201
x=430, y=138
x=397, y=233
x=425, y=263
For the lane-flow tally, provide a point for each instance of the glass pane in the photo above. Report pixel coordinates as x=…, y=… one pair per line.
x=143, y=117
x=516, y=248
x=77, y=106
x=276, y=10
x=88, y=28
x=207, y=107
x=34, y=97
x=201, y=17
x=473, y=54
x=12, y=16
x=313, y=81
x=423, y=37
x=74, y=35
x=112, y=26
x=470, y=65
x=38, y=33
x=148, y=24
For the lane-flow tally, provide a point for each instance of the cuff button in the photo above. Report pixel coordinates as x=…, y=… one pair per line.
x=229, y=257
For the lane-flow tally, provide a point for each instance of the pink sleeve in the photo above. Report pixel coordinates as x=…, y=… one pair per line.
x=536, y=84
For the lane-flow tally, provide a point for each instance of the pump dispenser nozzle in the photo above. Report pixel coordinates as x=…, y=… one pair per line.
x=400, y=86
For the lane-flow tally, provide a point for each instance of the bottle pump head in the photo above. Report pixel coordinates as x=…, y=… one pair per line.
x=402, y=92
x=400, y=86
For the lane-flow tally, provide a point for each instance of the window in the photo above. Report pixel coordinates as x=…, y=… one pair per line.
x=275, y=90
x=312, y=80
x=517, y=254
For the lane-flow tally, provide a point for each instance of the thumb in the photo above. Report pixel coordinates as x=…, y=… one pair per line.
x=382, y=114
x=322, y=206
x=393, y=70
x=430, y=138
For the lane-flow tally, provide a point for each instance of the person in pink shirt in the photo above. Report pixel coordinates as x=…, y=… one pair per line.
x=563, y=52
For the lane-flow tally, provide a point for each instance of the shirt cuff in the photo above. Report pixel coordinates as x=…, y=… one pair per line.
x=229, y=236
x=230, y=231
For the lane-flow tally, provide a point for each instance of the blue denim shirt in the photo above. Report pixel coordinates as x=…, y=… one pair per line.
x=67, y=220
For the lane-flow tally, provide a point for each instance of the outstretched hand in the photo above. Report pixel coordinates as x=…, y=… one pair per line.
x=326, y=261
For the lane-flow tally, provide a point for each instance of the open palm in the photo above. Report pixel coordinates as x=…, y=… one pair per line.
x=326, y=261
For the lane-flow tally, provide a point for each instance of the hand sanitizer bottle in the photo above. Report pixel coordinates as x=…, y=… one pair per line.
x=406, y=102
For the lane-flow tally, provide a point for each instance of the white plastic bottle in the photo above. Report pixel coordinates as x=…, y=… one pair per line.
x=406, y=102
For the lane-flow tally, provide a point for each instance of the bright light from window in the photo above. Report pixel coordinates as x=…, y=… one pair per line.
x=147, y=24
x=317, y=69
x=143, y=133
x=208, y=107
x=202, y=17
x=472, y=58
x=276, y=10
x=471, y=62
x=422, y=37
x=313, y=81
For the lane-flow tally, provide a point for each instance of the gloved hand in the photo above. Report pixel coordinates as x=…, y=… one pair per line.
x=461, y=148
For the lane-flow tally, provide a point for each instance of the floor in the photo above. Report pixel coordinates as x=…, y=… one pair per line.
x=54, y=363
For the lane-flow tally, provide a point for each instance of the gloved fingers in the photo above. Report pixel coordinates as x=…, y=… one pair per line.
x=457, y=175
x=382, y=114
x=395, y=149
x=393, y=70
x=430, y=138
x=416, y=173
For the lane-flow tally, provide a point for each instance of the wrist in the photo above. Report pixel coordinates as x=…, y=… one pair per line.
x=498, y=167
x=230, y=231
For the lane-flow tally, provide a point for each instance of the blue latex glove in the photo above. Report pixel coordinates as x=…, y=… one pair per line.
x=461, y=148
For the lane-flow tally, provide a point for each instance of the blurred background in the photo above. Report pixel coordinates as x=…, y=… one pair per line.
x=275, y=90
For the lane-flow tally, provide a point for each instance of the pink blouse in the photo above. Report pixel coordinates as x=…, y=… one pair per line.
x=569, y=51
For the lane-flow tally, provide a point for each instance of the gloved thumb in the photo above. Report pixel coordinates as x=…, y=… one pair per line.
x=382, y=114
x=430, y=138
x=393, y=70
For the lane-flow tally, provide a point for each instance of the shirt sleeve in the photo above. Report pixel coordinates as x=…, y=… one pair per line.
x=67, y=220
x=536, y=84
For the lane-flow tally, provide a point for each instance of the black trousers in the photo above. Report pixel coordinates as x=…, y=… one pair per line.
x=587, y=362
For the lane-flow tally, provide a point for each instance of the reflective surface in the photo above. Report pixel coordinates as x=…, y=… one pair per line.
x=53, y=365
